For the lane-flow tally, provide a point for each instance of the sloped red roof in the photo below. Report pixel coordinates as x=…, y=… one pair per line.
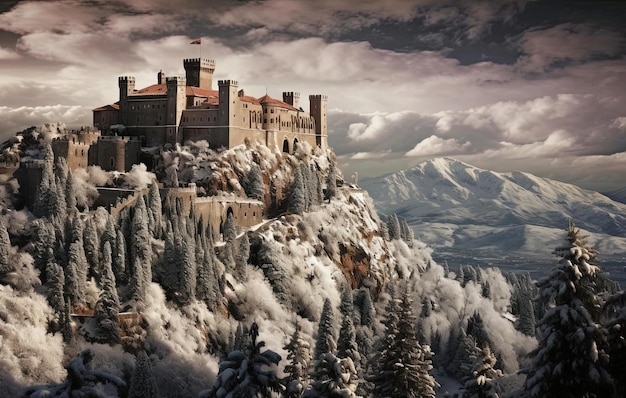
x=110, y=107
x=155, y=89
x=267, y=100
x=252, y=100
x=161, y=89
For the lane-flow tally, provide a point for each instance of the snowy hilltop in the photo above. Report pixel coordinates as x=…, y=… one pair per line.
x=458, y=208
x=319, y=298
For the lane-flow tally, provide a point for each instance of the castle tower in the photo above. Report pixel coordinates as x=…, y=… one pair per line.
x=291, y=98
x=127, y=88
x=176, y=98
x=228, y=99
x=199, y=72
x=318, y=107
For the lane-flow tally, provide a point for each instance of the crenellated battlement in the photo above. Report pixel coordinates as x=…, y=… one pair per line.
x=124, y=138
x=227, y=83
x=126, y=79
x=32, y=163
x=175, y=80
x=202, y=62
x=318, y=97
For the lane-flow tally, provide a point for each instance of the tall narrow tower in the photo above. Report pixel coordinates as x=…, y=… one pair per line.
x=199, y=72
x=318, y=106
x=291, y=98
x=127, y=87
x=176, y=98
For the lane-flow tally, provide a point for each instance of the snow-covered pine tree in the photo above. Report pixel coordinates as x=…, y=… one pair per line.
x=187, y=272
x=249, y=373
x=241, y=260
x=333, y=377
x=479, y=382
x=316, y=179
x=403, y=364
x=140, y=249
x=5, y=247
x=108, y=305
x=325, y=331
x=91, y=244
x=570, y=360
x=526, y=320
x=406, y=233
x=70, y=193
x=142, y=382
x=81, y=381
x=393, y=226
x=76, y=274
x=253, y=183
x=297, y=368
x=55, y=283
x=331, y=182
x=346, y=343
x=615, y=310
x=119, y=259
x=297, y=203
x=155, y=209
x=45, y=199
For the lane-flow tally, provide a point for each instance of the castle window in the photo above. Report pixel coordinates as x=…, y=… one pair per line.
x=254, y=214
x=112, y=161
x=82, y=152
x=75, y=152
x=271, y=120
x=265, y=120
x=272, y=110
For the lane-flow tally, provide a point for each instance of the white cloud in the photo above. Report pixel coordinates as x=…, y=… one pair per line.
x=619, y=123
x=13, y=120
x=435, y=146
x=369, y=155
x=567, y=42
x=8, y=54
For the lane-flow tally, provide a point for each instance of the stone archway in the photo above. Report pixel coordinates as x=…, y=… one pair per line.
x=295, y=145
x=286, y=145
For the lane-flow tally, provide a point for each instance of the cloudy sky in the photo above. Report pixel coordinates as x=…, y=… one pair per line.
x=537, y=86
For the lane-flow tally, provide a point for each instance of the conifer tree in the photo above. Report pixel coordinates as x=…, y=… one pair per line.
x=155, y=210
x=393, y=226
x=45, y=200
x=249, y=373
x=143, y=383
x=297, y=203
x=297, y=368
x=402, y=363
x=479, y=382
x=325, y=331
x=367, y=307
x=331, y=182
x=55, y=283
x=140, y=249
x=615, y=310
x=570, y=359
x=119, y=258
x=187, y=283
x=70, y=193
x=346, y=344
x=76, y=274
x=91, y=245
x=333, y=377
x=253, y=183
x=107, y=307
x=5, y=246
x=241, y=260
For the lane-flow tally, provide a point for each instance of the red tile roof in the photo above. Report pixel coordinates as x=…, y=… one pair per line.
x=110, y=107
x=267, y=100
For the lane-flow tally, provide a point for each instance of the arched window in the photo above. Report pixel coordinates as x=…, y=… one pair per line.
x=286, y=146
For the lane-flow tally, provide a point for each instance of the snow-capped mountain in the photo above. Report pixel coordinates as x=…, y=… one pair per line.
x=459, y=207
x=618, y=195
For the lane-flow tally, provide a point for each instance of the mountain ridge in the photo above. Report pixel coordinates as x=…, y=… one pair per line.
x=460, y=192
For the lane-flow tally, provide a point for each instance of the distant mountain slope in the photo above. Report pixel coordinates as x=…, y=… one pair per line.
x=511, y=220
x=449, y=191
x=618, y=195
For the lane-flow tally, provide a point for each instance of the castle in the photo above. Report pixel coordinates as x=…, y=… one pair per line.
x=178, y=109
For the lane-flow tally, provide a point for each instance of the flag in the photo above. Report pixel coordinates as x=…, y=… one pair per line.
x=197, y=41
